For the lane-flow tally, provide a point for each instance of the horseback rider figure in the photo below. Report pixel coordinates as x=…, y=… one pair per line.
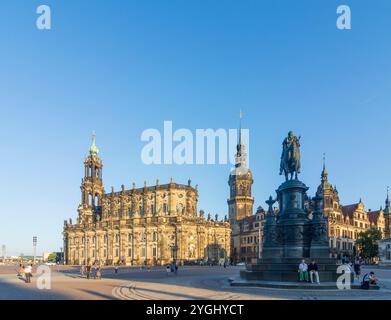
x=290, y=157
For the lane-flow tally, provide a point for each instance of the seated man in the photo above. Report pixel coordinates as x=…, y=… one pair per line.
x=372, y=278
x=313, y=269
x=303, y=271
x=368, y=279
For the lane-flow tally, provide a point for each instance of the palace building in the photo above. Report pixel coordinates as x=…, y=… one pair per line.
x=152, y=225
x=345, y=222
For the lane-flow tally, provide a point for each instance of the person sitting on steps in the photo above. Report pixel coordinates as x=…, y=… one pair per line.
x=313, y=269
x=303, y=271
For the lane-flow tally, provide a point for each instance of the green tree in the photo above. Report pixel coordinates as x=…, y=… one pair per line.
x=52, y=257
x=367, y=243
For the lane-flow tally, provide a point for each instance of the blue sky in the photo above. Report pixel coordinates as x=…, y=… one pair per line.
x=120, y=67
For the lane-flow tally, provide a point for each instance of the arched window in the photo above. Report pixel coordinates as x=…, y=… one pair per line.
x=96, y=200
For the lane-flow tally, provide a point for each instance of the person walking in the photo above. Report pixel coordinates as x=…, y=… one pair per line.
x=20, y=271
x=168, y=270
x=116, y=268
x=98, y=273
x=28, y=272
x=303, y=271
x=82, y=270
x=313, y=270
x=357, y=268
x=93, y=270
x=88, y=271
x=176, y=268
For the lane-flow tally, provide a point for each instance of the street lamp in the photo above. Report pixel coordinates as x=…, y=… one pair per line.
x=34, y=248
x=3, y=251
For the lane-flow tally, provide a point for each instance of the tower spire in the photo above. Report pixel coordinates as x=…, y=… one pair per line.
x=240, y=127
x=240, y=148
x=93, y=149
x=388, y=204
x=324, y=175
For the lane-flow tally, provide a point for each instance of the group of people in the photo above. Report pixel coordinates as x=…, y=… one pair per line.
x=25, y=272
x=368, y=279
x=91, y=271
x=308, y=272
x=173, y=267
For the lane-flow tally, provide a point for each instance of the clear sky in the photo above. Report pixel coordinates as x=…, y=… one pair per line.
x=120, y=67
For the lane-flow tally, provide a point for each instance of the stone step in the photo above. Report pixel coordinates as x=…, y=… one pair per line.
x=291, y=285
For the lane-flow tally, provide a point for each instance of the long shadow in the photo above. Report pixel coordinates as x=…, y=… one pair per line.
x=95, y=293
x=218, y=283
x=182, y=295
x=11, y=291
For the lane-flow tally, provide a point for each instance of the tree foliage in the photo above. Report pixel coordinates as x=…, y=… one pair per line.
x=367, y=243
x=52, y=257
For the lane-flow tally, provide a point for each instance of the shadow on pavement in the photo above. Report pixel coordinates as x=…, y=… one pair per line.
x=27, y=291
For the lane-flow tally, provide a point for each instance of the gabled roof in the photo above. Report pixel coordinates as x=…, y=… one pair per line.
x=373, y=216
x=349, y=209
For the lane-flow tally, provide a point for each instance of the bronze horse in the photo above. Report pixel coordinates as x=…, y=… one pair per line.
x=290, y=158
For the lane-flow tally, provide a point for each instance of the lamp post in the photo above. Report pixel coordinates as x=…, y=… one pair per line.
x=259, y=242
x=3, y=251
x=34, y=248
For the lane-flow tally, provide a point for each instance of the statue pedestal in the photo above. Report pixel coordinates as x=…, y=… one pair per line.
x=290, y=237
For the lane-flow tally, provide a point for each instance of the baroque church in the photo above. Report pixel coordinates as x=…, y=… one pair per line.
x=152, y=225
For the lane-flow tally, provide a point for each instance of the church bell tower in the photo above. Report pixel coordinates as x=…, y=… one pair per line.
x=92, y=189
x=240, y=202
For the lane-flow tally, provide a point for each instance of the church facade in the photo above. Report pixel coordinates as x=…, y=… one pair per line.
x=152, y=225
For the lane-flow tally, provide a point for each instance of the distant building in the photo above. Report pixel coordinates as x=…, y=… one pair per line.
x=247, y=237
